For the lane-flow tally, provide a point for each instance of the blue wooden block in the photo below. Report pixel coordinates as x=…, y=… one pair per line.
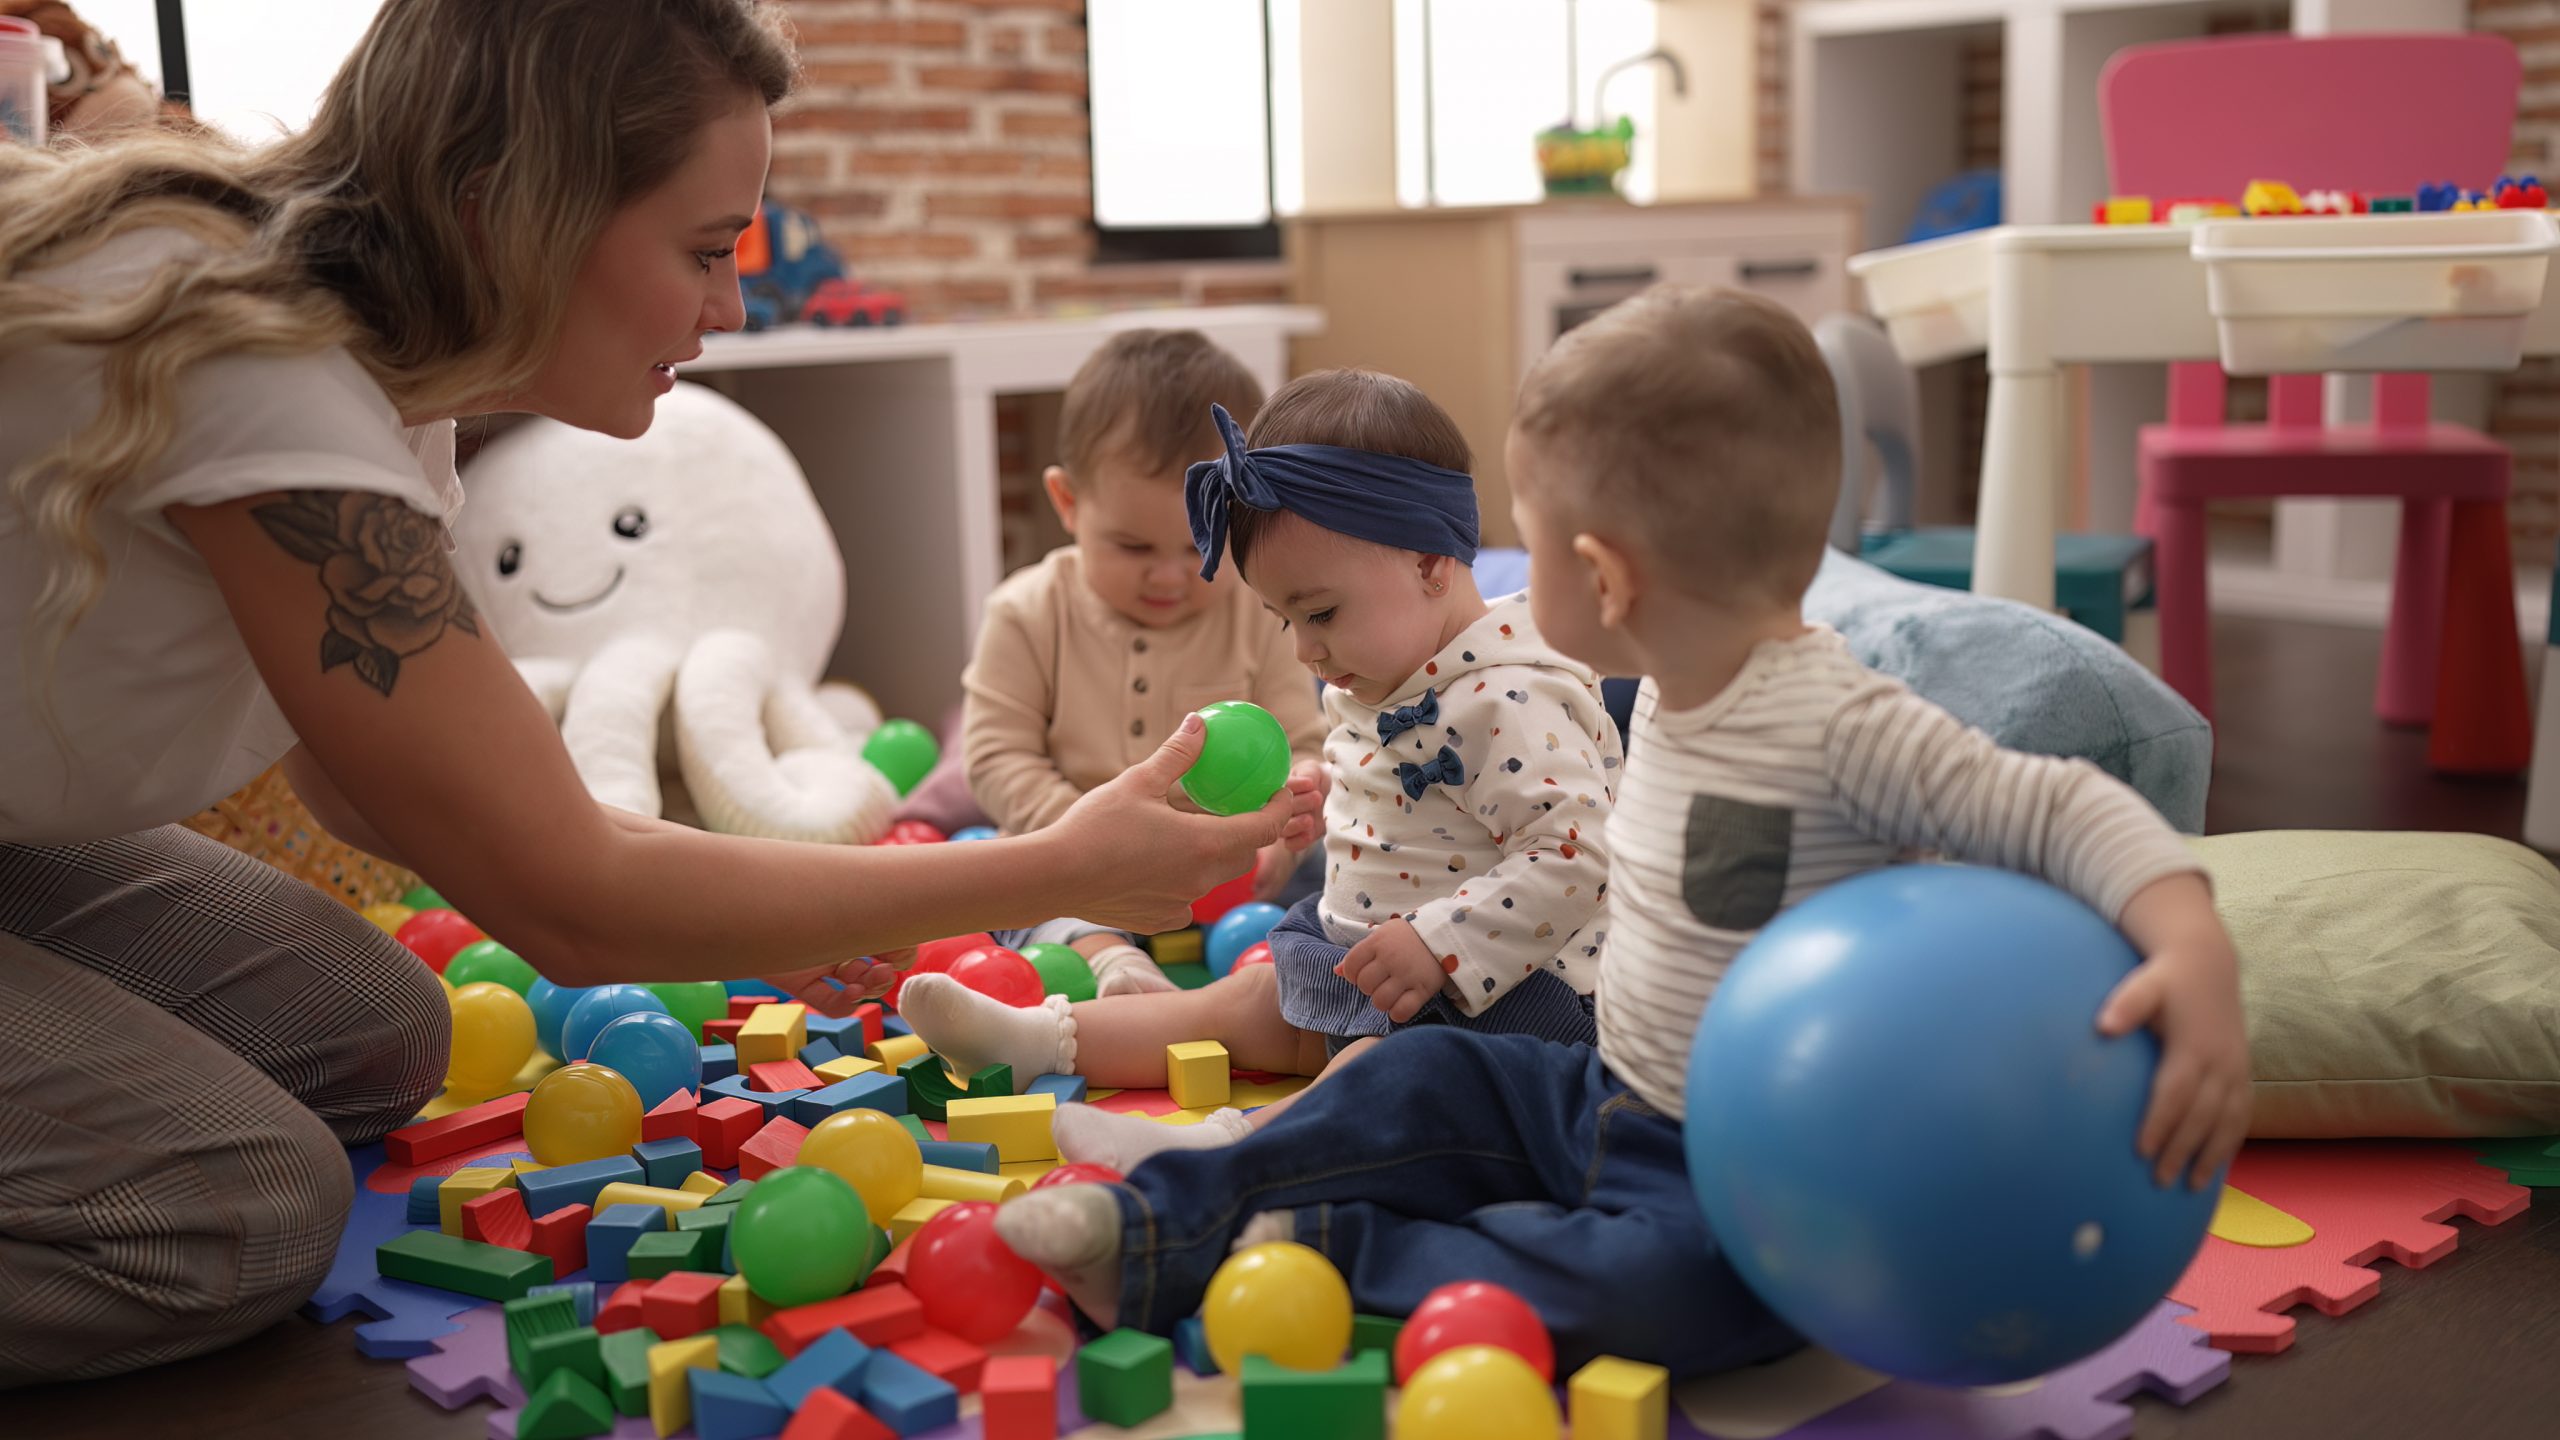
x=774, y=1102
x=565, y=1185
x=874, y=1091
x=610, y=1236
x=819, y=1051
x=905, y=1398
x=892, y=1025
x=581, y=1293
x=1191, y=1345
x=975, y=1155
x=1068, y=1088
x=834, y=1360
x=425, y=1209
x=734, y=1407
x=719, y=1062
x=667, y=1162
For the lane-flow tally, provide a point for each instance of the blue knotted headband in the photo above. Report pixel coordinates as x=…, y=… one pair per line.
x=1384, y=499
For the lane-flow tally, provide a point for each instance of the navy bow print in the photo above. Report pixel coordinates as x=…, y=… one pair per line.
x=1392, y=723
x=1446, y=768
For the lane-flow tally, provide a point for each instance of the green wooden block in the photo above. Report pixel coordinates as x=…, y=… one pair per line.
x=664, y=1252
x=915, y=1127
x=1346, y=1403
x=568, y=1406
x=581, y=1350
x=626, y=1368
x=736, y=1192
x=531, y=1318
x=744, y=1350
x=714, y=1218
x=1126, y=1377
x=930, y=1088
x=1375, y=1332
x=449, y=1262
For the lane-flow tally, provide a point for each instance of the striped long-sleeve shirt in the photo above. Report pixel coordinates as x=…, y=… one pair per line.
x=1805, y=770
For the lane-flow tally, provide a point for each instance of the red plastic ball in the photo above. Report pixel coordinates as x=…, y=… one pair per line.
x=935, y=956
x=969, y=1282
x=999, y=974
x=914, y=832
x=1258, y=953
x=434, y=936
x=1079, y=1172
x=1207, y=909
x=1474, y=1312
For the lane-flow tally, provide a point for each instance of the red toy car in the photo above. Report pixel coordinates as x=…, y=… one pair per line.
x=850, y=302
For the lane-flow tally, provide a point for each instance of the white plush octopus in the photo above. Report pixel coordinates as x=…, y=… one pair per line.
x=687, y=575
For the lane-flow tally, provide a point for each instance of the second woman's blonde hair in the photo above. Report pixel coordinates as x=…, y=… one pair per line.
x=547, y=115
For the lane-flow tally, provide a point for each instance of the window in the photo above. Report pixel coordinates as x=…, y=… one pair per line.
x=1476, y=80
x=255, y=68
x=1182, y=128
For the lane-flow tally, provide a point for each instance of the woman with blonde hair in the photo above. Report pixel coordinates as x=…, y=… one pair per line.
x=228, y=381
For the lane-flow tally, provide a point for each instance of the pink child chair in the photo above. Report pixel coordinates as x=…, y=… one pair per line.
x=2381, y=114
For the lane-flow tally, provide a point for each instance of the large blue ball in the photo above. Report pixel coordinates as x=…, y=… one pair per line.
x=1912, y=1142
x=1240, y=930
x=551, y=1005
x=598, y=1008
x=656, y=1052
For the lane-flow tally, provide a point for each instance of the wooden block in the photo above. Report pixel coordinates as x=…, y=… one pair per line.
x=719, y=1062
x=740, y=1087
x=1018, y=1398
x=622, y=1310
x=684, y=1303
x=462, y=1187
x=665, y=1163
x=670, y=1395
x=834, y=1361
x=704, y=1184
x=1198, y=1073
x=834, y=1415
x=883, y=1092
x=562, y=1235
x=524, y=1167
x=624, y=1193
x=730, y=1406
x=610, y=1235
x=486, y=1123
x=946, y=1357
x=951, y=1154
x=773, y=1032
x=894, y=1050
x=1017, y=1125
x=743, y=1006
x=745, y=1350
x=529, y=1317
x=881, y=1315
x=580, y=1350
x=565, y=1406
x=1348, y=1402
x=776, y=1076
x=670, y=1252
x=723, y=1033
x=942, y=1182
x=449, y=1262
x=911, y=1217
x=723, y=1125
x=874, y=1023
x=906, y=1397
x=847, y=1066
x=672, y=1120
x=1125, y=1378
x=498, y=1218
x=771, y=1148
x=1614, y=1399
x=577, y=1184
x=740, y=1305
x=626, y=1368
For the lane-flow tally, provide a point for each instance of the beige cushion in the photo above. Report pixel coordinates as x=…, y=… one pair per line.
x=2397, y=984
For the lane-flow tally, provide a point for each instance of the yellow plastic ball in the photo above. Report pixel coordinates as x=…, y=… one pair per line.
x=1477, y=1392
x=388, y=915
x=870, y=1151
x=492, y=1038
x=581, y=1112
x=1281, y=1301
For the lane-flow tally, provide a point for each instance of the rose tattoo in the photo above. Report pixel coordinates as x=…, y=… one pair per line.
x=391, y=592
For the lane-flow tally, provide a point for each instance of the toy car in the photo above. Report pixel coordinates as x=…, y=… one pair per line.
x=850, y=302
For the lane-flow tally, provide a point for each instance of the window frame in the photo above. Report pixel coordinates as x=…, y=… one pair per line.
x=1162, y=244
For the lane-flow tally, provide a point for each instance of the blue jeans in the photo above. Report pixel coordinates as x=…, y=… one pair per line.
x=1313, y=998
x=1446, y=1155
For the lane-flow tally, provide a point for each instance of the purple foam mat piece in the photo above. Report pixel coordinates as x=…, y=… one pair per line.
x=407, y=1319
x=2085, y=1401
x=470, y=1364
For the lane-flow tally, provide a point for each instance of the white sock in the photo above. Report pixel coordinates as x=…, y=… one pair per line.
x=1123, y=1142
x=1269, y=1227
x=970, y=1031
x=1126, y=970
x=1073, y=1232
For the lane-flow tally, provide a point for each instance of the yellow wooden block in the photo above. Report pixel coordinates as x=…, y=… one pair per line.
x=670, y=1394
x=1027, y=1171
x=894, y=1050
x=740, y=1305
x=624, y=1193
x=1614, y=1399
x=1178, y=947
x=526, y=1167
x=704, y=1184
x=773, y=1032
x=2244, y=1219
x=944, y=1182
x=845, y=1067
x=2128, y=210
x=1017, y=1125
x=911, y=1217
x=1198, y=1073
x=465, y=1185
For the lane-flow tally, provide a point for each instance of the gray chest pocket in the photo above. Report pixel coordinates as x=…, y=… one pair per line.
x=1733, y=875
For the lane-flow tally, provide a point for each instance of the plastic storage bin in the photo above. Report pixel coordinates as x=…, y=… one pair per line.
x=1933, y=297
x=2444, y=291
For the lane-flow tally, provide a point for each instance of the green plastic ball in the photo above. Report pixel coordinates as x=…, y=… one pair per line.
x=1063, y=970
x=902, y=750
x=424, y=897
x=800, y=1236
x=491, y=961
x=1244, y=759
x=692, y=1001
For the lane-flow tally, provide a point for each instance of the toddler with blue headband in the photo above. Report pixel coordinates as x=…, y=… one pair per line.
x=1470, y=768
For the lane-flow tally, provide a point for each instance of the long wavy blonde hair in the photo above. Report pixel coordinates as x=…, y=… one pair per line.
x=548, y=114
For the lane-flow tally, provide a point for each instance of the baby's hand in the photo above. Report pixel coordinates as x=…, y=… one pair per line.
x=1307, y=780
x=2188, y=991
x=1394, y=969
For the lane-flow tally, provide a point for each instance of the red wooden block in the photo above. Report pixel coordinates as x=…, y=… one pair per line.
x=893, y=1270
x=881, y=1316
x=622, y=1312
x=672, y=1120
x=874, y=1023
x=722, y=1032
x=775, y=1076
x=1020, y=1398
x=831, y=1415
x=498, y=1218
x=771, y=1148
x=562, y=1235
x=742, y=1006
x=684, y=1303
x=954, y=1361
x=486, y=1123
x=722, y=1126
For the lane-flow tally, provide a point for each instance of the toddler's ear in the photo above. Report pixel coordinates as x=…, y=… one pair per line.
x=1616, y=579
x=1062, y=495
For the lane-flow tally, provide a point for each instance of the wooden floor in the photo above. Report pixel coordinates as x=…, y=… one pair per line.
x=2464, y=1348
